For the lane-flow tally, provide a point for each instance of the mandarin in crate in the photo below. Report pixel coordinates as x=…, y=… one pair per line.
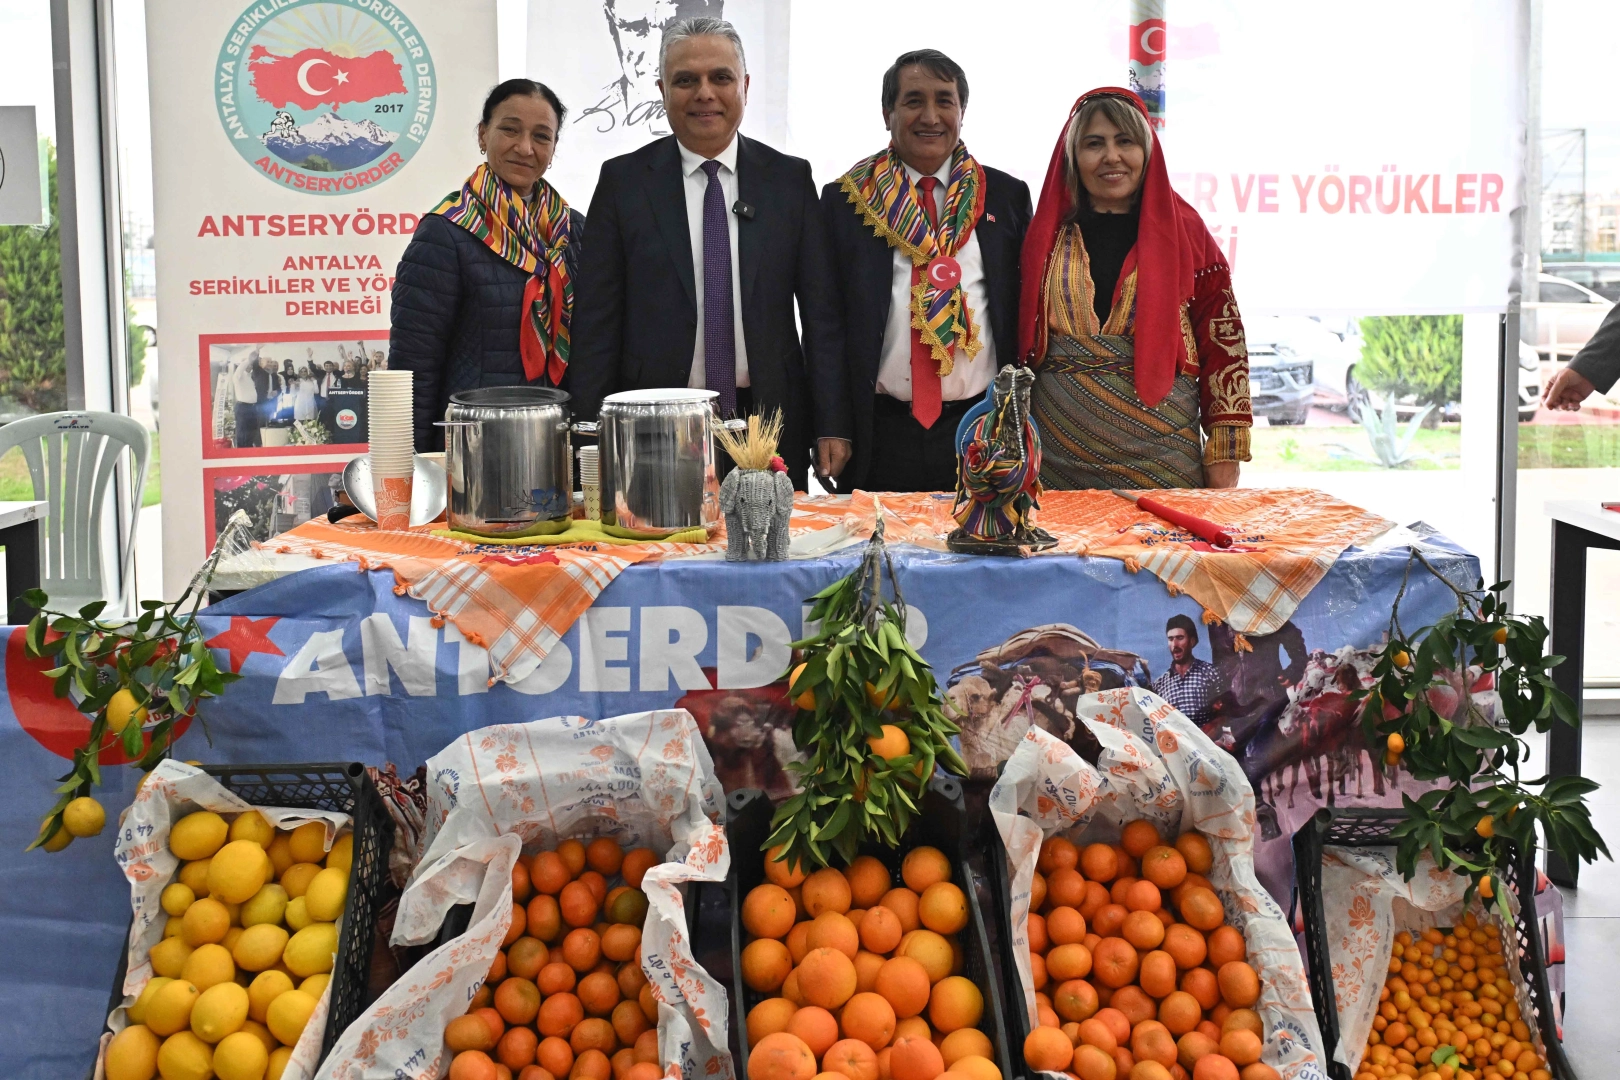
x=1065, y=888
x=556, y=978
x=555, y=1056
x=1108, y=920
x=903, y=902
x=781, y=1057
x=1164, y=866
x=765, y=964
x=930, y=950
x=1261, y=1071
x=596, y=883
x=777, y=871
x=1062, y=926
x=867, y=966
x=593, y=1033
x=599, y=993
x=1037, y=892
x=1075, y=1000
x=832, y=930
x=880, y=930
x=578, y=904
x=943, y=908
x=769, y=1017
x=825, y=890
x=1241, y=1045
x=955, y=1003
x=1195, y=849
x=1201, y=983
x=1115, y=962
x=1185, y=944
x=1099, y=862
x=1092, y=1063
x=768, y=911
x=516, y=1048
x=853, y=1059
x=1240, y=985
x=1143, y=930
x=621, y=942
x=1138, y=836
x=868, y=880
x=1225, y=945
x=1048, y=1049
x=826, y=978
x=526, y=957
x=920, y=1059
x=1180, y=1012
x=558, y=1014
x=629, y=1023
x=1201, y=909
x=924, y=866
x=1057, y=853
x=904, y=983
x=517, y=1000
x=1215, y=1067
x=870, y=1018
x=965, y=1042
x=572, y=853
x=975, y=1067
x=1035, y=931
x=593, y=1064
x=1157, y=974
x=1132, y=1001
x=581, y=949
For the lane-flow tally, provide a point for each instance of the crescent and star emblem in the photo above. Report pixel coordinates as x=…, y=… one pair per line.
x=303, y=78
x=1147, y=45
x=944, y=272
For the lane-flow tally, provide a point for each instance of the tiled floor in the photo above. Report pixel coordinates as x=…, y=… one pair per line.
x=1592, y=921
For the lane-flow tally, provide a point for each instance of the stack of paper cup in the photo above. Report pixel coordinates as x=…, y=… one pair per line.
x=590, y=482
x=388, y=404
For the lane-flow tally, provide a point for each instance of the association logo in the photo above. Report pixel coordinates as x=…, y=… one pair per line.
x=325, y=97
x=347, y=418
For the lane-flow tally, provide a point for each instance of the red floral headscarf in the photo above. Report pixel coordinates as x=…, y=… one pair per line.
x=1172, y=244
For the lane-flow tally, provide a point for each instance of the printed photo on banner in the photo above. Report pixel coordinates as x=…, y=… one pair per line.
x=287, y=393
x=275, y=500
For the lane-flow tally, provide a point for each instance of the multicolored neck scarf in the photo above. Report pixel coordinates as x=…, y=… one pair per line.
x=534, y=237
x=888, y=201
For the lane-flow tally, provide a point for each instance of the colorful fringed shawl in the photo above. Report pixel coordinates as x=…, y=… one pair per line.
x=532, y=235
x=887, y=200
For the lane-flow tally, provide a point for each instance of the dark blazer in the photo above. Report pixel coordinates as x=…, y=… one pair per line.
x=864, y=263
x=1599, y=358
x=635, y=311
x=456, y=311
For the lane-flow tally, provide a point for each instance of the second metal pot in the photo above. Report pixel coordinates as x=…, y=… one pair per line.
x=657, y=461
x=507, y=459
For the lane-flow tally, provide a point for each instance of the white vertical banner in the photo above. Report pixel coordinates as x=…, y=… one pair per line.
x=602, y=61
x=296, y=145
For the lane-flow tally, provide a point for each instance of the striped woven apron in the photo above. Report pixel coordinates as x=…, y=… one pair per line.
x=1096, y=432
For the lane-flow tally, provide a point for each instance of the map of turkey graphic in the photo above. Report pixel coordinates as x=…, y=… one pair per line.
x=314, y=77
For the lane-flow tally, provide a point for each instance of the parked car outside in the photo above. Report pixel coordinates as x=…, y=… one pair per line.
x=1601, y=278
x=1280, y=380
x=1567, y=315
x=1338, y=389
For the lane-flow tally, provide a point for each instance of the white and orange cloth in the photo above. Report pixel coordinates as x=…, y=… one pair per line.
x=517, y=602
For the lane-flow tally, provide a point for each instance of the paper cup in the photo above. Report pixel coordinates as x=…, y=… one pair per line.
x=393, y=498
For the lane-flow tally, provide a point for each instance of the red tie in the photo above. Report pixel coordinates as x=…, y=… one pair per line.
x=925, y=393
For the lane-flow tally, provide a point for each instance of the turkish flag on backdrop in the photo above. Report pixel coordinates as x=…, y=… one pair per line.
x=1147, y=41
x=314, y=77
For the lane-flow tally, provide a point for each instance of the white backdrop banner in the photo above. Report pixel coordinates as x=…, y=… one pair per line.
x=297, y=144
x=1336, y=181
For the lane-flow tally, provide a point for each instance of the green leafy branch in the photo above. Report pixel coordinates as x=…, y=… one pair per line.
x=156, y=667
x=861, y=674
x=1487, y=808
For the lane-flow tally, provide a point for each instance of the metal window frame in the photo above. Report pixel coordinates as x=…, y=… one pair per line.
x=91, y=229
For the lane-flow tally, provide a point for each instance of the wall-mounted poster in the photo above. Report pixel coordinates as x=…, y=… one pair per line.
x=302, y=141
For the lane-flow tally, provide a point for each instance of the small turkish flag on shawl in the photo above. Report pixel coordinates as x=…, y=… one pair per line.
x=313, y=77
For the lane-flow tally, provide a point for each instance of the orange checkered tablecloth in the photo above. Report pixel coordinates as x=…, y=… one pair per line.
x=517, y=602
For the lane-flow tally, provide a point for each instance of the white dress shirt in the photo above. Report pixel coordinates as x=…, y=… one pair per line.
x=697, y=184
x=968, y=378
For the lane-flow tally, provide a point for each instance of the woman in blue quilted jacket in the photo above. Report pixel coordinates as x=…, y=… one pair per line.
x=484, y=294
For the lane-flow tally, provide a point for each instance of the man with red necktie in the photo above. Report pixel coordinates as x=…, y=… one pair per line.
x=926, y=245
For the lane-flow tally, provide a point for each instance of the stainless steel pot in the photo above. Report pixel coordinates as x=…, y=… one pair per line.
x=507, y=459
x=657, y=461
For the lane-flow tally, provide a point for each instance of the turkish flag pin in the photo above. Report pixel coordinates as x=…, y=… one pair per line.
x=990, y=218
x=944, y=272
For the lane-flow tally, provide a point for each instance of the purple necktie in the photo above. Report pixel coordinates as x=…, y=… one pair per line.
x=719, y=327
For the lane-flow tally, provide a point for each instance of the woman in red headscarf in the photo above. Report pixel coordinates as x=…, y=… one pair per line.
x=1128, y=318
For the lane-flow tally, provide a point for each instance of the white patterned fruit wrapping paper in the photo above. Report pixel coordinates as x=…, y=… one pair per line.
x=171, y=791
x=1156, y=764
x=643, y=780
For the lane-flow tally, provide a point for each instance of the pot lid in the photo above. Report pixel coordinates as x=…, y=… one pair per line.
x=510, y=397
x=660, y=397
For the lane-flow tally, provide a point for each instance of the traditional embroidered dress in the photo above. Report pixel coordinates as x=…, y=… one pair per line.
x=941, y=321
x=1147, y=397
x=532, y=235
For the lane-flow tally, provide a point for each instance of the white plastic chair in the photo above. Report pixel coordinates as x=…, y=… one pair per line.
x=71, y=457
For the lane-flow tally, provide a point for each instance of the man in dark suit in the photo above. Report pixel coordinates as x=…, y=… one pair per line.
x=700, y=244
x=1593, y=370
x=905, y=218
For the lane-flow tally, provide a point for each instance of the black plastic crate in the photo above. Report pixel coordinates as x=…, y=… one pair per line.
x=1019, y=1022
x=1376, y=828
x=942, y=823
x=346, y=788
